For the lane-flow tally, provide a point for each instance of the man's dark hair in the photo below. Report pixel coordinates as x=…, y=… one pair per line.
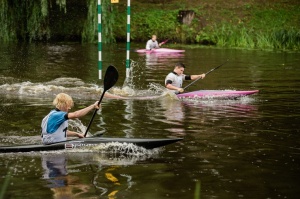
x=180, y=65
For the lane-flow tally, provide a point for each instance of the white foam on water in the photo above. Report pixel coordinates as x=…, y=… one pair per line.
x=104, y=154
x=131, y=88
x=117, y=148
x=219, y=100
x=125, y=148
x=77, y=126
x=79, y=158
x=73, y=86
x=124, y=91
x=79, y=89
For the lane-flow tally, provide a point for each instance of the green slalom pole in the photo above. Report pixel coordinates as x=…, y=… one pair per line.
x=99, y=39
x=128, y=40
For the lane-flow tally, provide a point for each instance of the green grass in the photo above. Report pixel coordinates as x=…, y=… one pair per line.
x=243, y=37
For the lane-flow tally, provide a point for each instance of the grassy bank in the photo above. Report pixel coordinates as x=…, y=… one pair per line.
x=246, y=24
x=264, y=24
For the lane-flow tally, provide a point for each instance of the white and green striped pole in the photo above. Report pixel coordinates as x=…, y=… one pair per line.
x=99, y=39
x=128, y=40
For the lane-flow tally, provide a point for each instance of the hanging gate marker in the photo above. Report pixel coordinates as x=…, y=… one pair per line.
x=100, y=38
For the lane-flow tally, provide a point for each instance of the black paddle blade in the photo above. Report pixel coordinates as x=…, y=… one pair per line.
x=111, y=77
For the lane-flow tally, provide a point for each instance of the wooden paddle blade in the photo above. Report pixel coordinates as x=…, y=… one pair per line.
x=111, y=77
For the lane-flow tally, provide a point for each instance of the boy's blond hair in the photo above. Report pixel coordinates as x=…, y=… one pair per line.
x=63, y=100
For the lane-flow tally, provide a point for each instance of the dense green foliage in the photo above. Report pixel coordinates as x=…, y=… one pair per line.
x=90, y=28
x=25, y=20
x=46, y=20
x=245, y=24
x=267, y=28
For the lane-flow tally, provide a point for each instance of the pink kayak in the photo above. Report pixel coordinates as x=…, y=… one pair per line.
x=160, y=50
x=216, y=94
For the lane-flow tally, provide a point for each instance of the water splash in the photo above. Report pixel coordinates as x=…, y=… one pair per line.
x=73, y=86
x=124, y=91
x=157, y=88
x=114, y=150
x=136, y=72
x=77, y=126
x=132, y=85
x=78, y=89
x=123, y=149
x=214, y=100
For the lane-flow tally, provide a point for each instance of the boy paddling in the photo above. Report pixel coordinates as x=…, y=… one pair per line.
x=55, y=124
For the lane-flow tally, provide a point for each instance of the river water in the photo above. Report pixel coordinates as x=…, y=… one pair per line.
x=232, y=148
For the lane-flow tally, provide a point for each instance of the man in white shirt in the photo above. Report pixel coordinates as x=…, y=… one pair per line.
x=175, y=79
x=152, y=43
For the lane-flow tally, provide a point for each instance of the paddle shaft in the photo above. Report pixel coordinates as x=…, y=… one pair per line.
x=164, y=42
x=95, y=111
x=205, y=74
x=160, y=44
x=110, y=78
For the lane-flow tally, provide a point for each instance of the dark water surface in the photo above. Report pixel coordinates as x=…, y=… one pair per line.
x=242, y=148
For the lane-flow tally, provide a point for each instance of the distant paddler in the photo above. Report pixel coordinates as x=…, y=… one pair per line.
x=153, y=44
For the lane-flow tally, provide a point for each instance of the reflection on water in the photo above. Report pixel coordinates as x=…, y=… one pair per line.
x=65, y=174
x=158, y=59
x=177, y=113
x=109, y=181
x=231, y=146
x=238, y=106
x=129, y=114
x=62, y=184
x=173, y=110
x=174, y=115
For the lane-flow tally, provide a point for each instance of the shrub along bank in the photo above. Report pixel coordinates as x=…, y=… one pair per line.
x=265, y=24
x=245, y=24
